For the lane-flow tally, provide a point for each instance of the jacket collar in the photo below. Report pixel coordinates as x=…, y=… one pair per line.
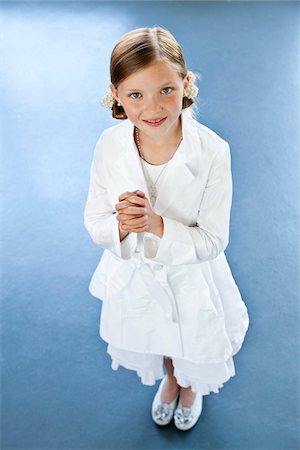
x=179, y=172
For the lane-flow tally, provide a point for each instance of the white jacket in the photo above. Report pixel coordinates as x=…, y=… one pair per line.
x=176, y=295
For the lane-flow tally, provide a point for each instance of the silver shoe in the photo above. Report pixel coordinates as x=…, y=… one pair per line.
x=162, y=413
x=184, y=417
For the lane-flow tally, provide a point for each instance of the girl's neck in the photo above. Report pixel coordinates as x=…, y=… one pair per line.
x=159, y=151
x=161, y=142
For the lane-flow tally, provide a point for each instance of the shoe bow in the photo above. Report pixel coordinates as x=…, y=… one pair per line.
x=163, y=411
x=183, y=415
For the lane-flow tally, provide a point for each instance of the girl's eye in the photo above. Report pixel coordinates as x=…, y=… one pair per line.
x=135, y=95
x=167, y=90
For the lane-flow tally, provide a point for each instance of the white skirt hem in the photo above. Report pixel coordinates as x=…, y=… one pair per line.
x=149, y=375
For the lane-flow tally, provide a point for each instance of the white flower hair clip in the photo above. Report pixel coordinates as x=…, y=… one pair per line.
x=192, y=90
x=107, y=100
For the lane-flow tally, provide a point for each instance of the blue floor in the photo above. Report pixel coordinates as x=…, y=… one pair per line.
x=58, y=389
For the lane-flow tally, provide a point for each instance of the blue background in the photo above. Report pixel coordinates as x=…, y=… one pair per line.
x=58, y=390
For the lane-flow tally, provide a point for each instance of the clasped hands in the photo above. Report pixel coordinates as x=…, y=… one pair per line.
x=135, y=214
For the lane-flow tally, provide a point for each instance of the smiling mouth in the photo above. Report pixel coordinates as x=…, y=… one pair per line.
x=155, y=122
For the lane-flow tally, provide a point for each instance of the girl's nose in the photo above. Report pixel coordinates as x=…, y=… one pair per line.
x=153, y=104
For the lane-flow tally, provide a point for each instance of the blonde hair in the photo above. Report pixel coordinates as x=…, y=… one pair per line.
x=139, y=48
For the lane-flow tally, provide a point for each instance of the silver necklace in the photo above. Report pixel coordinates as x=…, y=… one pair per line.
x=151, y=185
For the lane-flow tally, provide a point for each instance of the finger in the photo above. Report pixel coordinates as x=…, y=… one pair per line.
x=136, y=222
x=136, y=200
x=140, y=193
x=135, y=230
x=125, y=195
x=126, y=217
x=121, y=205
x=131, y=209
x=128, y=193
x=132, y=199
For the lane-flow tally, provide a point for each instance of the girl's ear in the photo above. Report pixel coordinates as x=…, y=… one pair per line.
x=114, y=92
x=186, y=82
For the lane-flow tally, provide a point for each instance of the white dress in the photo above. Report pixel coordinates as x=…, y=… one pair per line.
x=173, y=296
x=203, y=378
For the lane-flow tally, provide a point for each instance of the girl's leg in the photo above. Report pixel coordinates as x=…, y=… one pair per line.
x=187, y=396
x=170, y=387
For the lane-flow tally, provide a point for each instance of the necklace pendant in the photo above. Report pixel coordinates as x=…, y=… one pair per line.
x=153, y=199
x=153, y=189
x=153, y=193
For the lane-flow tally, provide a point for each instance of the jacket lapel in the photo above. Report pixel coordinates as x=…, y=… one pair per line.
x=128, y=173
x=177, y=177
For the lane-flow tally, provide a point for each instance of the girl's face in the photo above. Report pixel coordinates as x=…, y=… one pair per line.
x=152, y=98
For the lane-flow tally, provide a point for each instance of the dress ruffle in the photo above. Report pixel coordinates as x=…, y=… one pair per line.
x=150, y=368
x=197, y=386
x=148, y=376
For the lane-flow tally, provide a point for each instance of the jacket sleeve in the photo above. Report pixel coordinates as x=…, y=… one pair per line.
x=182, y=244
x=99, y=214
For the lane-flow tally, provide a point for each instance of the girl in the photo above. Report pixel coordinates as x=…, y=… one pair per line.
x=159, y=204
